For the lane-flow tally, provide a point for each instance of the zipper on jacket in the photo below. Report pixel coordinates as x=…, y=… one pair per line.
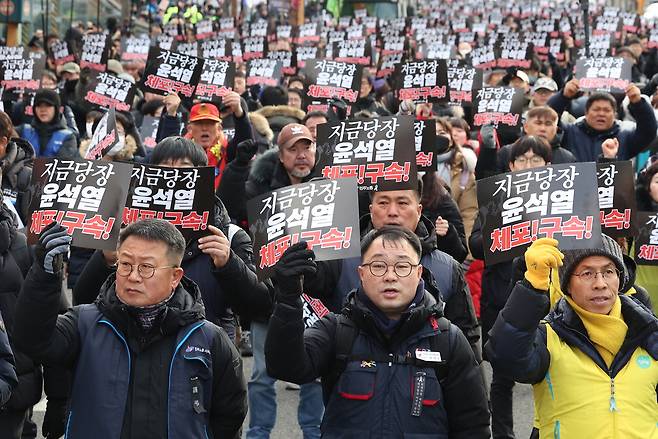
x=613, y=401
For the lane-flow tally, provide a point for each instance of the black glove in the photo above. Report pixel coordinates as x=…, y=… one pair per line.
x=487, y=137
x=337, y=110
x=53, y=244
x=54, y=419
x=245, y=151
x=296, y=262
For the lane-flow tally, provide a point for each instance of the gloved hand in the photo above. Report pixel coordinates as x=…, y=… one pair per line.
x=542, y=256
x=488, y=137
x=53, y=244
x=245, y=151
x=296, y=262
x=54, y=419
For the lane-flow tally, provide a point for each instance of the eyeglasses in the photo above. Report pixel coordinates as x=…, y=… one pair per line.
x=146, y=271
x=609, y=274
x=534, y=160
x=379, y=268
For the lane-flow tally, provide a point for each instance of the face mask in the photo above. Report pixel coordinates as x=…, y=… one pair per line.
x=442, y=144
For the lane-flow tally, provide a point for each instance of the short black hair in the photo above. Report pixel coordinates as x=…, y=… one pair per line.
x=600, y=96
x=314, y=113
x=392, y=234
x=537, y=144
x=418, y=191
x=159, y=230
x=178, y=148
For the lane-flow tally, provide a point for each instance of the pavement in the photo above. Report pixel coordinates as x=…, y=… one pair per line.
x=287, y=400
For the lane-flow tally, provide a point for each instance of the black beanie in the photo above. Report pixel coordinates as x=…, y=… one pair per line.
x=50, y=97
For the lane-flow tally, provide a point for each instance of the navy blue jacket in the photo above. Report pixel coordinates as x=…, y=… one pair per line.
x=373, y=398
x=585, y=142
x=183, y=379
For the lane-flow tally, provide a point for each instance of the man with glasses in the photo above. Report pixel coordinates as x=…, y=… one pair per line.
x=593, y=361
x=146, y=363
x=391, y=365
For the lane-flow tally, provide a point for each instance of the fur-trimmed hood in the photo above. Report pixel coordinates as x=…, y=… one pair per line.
x=126, y=154
x=260, y=124
x=281, y=110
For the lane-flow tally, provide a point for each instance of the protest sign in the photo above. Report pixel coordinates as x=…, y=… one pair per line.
x=483, y=57
x=86, y=197
x=263, y=71
x=191, y=49
x=149, y=131
x=283, y=32
x=95, y=51
x=108, y=91
x=608, y=74
x=396, y=44
x=322, y=212
x=303, y=53
x=312, y=310
x=105, y=137
x=517, y=208
x=171, y=72
x=254, y=47
x=422, y=81
x=204, y=29
x=514, y=53
x=646, y=244
x=22, y=75
x=436, y=50
x=462, y=79
x=375, y=151
x=219, y=49
x=352, y=51
x=498, y=106
x=61, y=52
x=332, y=79
x=216, y=81
x=388, y=63
x=616, y=197
x=287, y=59
x=425, y=140
x=135, y=48
x=164, y=42
x=182, y=196
x=307, y=33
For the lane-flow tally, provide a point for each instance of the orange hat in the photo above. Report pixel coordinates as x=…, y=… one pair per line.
x=204, y=111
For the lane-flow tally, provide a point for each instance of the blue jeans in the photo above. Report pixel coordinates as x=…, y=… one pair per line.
x=262, y=396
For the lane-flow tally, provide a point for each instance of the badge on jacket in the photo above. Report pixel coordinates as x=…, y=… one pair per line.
x=429, y=356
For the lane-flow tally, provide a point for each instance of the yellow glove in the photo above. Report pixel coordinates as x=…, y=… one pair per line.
x=542, y=256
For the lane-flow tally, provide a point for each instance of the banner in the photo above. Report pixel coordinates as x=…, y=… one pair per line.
x=322, y=212
x=22, y=75
x=216, y=81
x=332, y=79
x=108, y=91
x=61, y=52
x=95, y=51
x=263, y=71
x=171, y=72
x=646, y=244
x=517, y=208
x=182, y=196
x=86, y=197
x=135, y=48
x=105, y=137
x=219, y=49
x=616, y=197
x=422, y=81
x=149, y=131
x=425, y=140
x=607, y=74
x=462, y=80
x=375, y=151
x=498, y=106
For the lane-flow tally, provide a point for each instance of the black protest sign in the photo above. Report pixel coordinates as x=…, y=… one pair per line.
x=287, y=59
x=322, y=212
x=22, y=75
x=216, y=80
x=653, y=39
x=497, y=106
x=333, y=79
x=483, y=57
x=303, y=53
x=191, y=49
x=254, y=47
x=95, y=51
x=631, y=22
x=335, y=36
x=425, y=139
x=517, y=208
x=258, y=28
x=283, y=32
x=375, y=151
x=108, y=91
x=165, y=42
x=388, y=63
x=312, y=310
x=352, y=51
x=545, y=25
x=204, y=29
x=227, y=28
x=391, y=45
x=557, y=47
x=600, y=47
x=646, y=243
x=149, y=131
x=105, y=137
x=135, y=48
x=436, y=50
x=7, y=52
x=220, y=49
x=609, y=74
x=355, y=32
x=182, y=196
x=370, y=23
x=422, y=81
x=616, y=197
x=86, y=197
x=604, y=25
x=514, y=53
x=307, y=33
x=462, y=79
x=263, y=71
x=61, y=52
x=539, y=42
x=170, y=72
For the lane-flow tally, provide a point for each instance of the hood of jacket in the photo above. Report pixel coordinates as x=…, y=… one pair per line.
x=424, y=231
x=7, y=227
x=19, y=155
x=281, y=111
x=184, y=307
x=261, y=125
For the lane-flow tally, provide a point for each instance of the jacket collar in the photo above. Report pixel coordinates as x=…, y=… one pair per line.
x=582, y=124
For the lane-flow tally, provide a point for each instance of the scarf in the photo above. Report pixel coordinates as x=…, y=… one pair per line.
x=606, y=331
x=386, y=325
x=146, y=316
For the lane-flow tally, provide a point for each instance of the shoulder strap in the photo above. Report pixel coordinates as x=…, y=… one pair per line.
x=346, y=333
x=441, y=343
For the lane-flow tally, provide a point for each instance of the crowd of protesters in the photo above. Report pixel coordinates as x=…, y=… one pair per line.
x=151, y=345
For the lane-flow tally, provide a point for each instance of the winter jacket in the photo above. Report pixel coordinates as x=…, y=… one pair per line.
x=243, y=181
x=233, y=287
x=576, y=393
x=53, y=139
x=183, y=379
x=16, y=170
x=585, y=143
x=278, y=116
x=8, y=379
x=373, y=398
x=444, y=277
x=370, y=104
x=453, y=242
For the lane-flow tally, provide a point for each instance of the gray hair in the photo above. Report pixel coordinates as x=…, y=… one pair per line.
x=160, y=231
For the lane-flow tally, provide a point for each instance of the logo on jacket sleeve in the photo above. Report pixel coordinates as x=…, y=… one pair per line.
x=643, y=361
x=190, y=349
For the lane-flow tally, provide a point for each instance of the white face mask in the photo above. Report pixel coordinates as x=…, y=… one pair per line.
x=89, y=129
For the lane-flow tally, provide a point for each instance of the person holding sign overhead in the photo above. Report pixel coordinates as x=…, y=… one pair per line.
x=593, y=361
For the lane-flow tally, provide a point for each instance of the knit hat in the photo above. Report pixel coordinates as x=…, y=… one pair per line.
x=46, y=96
x=610, y=249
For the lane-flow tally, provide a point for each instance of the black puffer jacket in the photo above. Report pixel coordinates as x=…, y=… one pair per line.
x=16, y=168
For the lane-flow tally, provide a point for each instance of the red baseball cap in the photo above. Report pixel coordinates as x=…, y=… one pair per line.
x=204, y=111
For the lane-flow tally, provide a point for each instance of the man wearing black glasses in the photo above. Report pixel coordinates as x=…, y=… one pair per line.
x=146, y=362
x=391, y=365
